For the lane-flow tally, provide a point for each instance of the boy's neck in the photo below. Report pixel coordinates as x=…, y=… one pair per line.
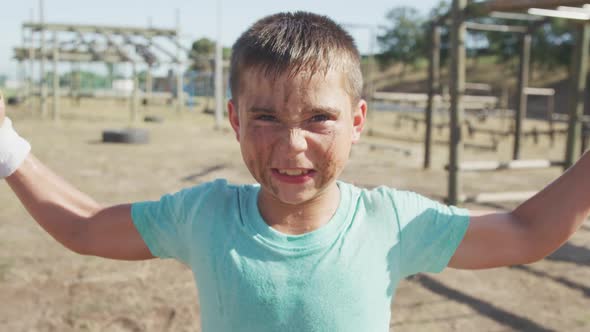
x=300, y=218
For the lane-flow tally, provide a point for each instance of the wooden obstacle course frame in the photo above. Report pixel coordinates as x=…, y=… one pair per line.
x=460, y=11
x=113, y=52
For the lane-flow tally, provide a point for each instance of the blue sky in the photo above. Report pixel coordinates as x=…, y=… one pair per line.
x=197, y=18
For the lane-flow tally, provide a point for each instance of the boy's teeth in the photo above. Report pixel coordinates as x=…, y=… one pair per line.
x=292, y=172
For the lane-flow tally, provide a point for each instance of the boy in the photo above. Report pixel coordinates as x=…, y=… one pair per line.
x=301, y=251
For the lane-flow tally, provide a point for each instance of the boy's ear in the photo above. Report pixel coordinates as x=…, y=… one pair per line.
x=234, y=118
x=359, y=116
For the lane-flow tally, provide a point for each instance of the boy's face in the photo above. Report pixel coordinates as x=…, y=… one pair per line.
x=295, y=133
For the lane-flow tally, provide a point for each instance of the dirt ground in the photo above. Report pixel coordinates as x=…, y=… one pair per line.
x=43, y=287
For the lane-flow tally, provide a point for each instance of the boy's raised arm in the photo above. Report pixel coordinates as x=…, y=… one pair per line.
x=70, y=216
x=534, y=229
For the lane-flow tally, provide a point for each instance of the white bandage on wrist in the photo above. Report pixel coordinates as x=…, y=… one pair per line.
x=13, y=149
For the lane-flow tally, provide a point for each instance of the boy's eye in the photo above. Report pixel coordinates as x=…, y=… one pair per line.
x=320, y=118
x=265, y=117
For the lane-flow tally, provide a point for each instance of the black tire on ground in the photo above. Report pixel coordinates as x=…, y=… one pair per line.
x=13, y=100
x=153, y=118
x=129, y=136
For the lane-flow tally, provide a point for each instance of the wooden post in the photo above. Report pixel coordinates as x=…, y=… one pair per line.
x=76, y=83
x=43, y=85
x=55, y=55
x=31, y=71
x=23, y=64
x=576, y=104
x=179, y=75
x=134, y=95
x=219, y=93
x=433, y=89
x=550, y=111
x=179, y=88
x=149, y=85
x=523, y=82
x=457, y=89
x=371, y=81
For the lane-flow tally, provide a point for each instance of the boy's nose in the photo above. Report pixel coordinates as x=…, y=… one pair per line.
x=296, y=142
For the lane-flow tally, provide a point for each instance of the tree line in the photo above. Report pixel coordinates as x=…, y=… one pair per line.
x=405, y=39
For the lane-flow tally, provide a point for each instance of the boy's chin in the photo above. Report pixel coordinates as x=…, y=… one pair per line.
x=294, y=197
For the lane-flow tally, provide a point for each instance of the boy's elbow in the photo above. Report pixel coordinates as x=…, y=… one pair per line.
x=535, y=240
x=77, y=239
x=539, y=246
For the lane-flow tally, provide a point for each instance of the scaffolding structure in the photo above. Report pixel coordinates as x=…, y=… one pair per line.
x=461, y=12
x=79, y=43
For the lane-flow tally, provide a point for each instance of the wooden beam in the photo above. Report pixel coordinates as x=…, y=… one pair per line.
x=69, y=55
x=118, y=49
x=516, y=16
x=142, y=50
x=171, y=55
x=539, y=91
x=481, y=166
x=568, y=15
x=478, y=86
x=498, y=197
x=389, y=147
x=495, y=27
x=560, y=117
x=85, y=28
x=486, y=7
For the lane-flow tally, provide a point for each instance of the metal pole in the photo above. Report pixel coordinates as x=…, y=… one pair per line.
x=179, y=78
x=433, y=88
x=219, y=70
x=576, y=104
x=523, y=82
x=457, y=89
x=43, y=99
x=55, y=55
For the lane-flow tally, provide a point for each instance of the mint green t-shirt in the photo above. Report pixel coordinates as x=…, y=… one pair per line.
x=340, y=277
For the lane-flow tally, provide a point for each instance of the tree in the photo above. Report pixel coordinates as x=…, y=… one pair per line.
x=553, y=44
x=404, y=40
x=201, y=53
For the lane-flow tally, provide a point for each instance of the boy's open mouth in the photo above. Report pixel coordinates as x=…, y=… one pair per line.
x=293, y=172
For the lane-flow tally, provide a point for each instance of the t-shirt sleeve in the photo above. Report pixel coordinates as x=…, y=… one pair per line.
x=430, y=232
x=167, y=225
x=160, y=225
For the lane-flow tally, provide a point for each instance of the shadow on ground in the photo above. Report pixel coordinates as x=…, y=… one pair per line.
x=482, y=307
